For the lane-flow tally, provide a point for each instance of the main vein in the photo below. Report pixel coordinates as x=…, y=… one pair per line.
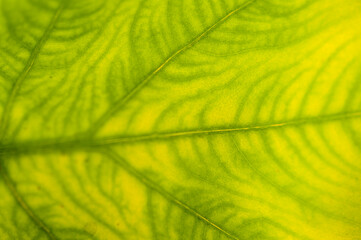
x=6, y=117
x=83, y=143
x=121, y=102
x=164, y=136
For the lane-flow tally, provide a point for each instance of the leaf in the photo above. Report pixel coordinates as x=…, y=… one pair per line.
x=191, y=119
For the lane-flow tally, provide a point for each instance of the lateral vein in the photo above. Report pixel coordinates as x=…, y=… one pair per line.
x=11, y=186
x=121, y=102
x=147, y=182
x=4, y=120
x=26, y=70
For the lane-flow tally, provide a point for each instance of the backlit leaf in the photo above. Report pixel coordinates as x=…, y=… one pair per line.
x=180, y=119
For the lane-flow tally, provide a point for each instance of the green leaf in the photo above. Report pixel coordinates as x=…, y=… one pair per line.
x=187, y=119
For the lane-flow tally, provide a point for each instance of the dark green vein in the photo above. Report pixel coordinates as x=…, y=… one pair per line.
x=26, y=70
x=121, y=102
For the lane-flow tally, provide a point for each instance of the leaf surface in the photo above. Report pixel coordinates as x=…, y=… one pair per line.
x=191, y=119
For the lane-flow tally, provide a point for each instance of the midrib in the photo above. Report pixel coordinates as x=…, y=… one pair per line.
x=82, y=143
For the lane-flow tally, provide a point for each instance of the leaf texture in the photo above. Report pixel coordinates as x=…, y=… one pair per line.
x=189, y=119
